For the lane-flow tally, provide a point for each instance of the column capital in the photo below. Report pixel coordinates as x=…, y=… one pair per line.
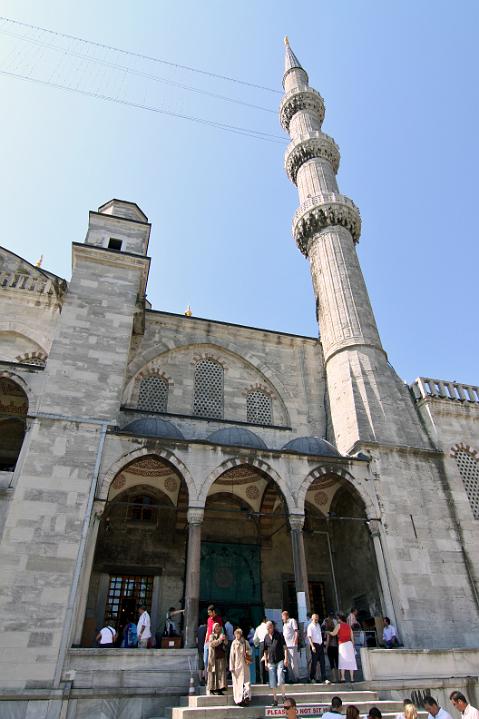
x=195, y=515
x=296, y=522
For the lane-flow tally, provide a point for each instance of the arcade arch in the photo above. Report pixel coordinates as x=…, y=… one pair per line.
x=340, y=555
x=140, y=552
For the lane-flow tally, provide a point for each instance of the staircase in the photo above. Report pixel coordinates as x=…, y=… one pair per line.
x=201, y=706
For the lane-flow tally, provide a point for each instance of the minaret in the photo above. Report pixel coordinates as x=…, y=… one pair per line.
x=368, y=401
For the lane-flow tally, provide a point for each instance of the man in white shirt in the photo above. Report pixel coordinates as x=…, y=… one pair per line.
x=315, y=639
x=143, y=628
x=434, y=710
x=258, y=640
x=335, y=710
x=459, y=701
x=106, y=637
x=389, y=634
x=290, y=633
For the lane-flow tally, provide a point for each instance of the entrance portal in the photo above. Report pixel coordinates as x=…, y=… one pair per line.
x=246, y=556
x=231, y=580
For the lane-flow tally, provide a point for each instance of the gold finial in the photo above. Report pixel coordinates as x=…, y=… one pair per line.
x=188, y=311
x=286, y=41
x=39, y=262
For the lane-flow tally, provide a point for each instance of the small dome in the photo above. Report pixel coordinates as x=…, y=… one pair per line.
x=153, y=427
x=237, y=436
x=312, y=445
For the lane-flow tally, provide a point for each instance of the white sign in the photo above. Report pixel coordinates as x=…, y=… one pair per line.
x=304, y=710
x=302, y=613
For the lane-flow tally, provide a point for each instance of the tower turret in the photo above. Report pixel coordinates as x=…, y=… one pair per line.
x=363, y=388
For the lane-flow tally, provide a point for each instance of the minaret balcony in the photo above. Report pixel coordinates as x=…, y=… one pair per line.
x=323, y=211
x=306, y=148
x=300, y=99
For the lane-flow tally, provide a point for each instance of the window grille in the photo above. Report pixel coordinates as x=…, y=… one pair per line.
x=125, y=594
x=208, y=395
x=259, y=408
x=38, y=360
x=153, y=394
x=469, y=471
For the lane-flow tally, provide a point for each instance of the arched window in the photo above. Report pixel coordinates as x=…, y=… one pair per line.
x=13, y=411
x=208, y=394
x=153, y=394
x=469, y=470
x=259, y=408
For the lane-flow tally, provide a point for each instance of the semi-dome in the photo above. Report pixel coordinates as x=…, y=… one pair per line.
x=153, y=427
x=238, y=436
x=312, y=445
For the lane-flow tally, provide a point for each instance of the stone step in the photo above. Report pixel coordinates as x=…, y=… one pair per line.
x=332, y=689
x=263, y=697
x=255, y=710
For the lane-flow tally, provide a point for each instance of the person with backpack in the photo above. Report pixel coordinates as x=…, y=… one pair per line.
x=106, y=637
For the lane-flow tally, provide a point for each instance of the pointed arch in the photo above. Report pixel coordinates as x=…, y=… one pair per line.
x=328, y=470
x=259, y=464
x=130, y=457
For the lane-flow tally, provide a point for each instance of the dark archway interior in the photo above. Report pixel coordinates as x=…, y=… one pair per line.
x=340, y=556
x=13, y=412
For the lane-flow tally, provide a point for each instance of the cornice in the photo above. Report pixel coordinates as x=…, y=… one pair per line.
x=296, y=100
x=323, y=211
x=318, y=145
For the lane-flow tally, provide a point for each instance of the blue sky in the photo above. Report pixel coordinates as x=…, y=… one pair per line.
x=400, y=85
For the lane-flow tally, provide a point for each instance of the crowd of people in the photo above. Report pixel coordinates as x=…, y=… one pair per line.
x=270, y=653
x=457, y=699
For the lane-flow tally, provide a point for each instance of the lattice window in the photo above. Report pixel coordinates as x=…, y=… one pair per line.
x=259, y=408
x=153, y=394
x=469, y=471
x=208, y=397
x=125, y=594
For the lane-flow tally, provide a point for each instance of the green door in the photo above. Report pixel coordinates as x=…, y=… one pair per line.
x=231, y=580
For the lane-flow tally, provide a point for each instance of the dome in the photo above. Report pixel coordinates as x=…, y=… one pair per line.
x=153, y=427
x=312, y=445
x=237, y=436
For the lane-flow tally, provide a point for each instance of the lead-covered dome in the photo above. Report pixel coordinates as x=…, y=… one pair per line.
x=237, y=436
x=154, y=427
x=312, y=445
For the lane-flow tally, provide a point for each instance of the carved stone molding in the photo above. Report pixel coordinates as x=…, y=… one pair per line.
x=325, y=211
x=195, y=515
x=297, y=100
x=321, y=146
x=296, y=522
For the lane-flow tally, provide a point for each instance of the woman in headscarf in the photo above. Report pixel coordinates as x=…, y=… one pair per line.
x=240, y=659
x=217, y=660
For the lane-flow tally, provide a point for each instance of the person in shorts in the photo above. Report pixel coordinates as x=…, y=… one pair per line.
x=275, y=657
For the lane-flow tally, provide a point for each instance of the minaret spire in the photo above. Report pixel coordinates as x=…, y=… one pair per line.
x=326, y=227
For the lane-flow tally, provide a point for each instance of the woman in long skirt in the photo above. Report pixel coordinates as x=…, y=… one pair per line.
x=347, y=656
x=217, y=660
x=240, y=658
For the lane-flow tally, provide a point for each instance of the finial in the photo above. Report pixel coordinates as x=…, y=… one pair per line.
x=188, y=311
x=39, y=262
x=286, y=41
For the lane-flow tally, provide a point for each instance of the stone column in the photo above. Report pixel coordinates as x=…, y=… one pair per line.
x=296, y=522
x=192, y=588
x=388, y=607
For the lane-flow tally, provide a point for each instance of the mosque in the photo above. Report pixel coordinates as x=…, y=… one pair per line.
x=166, y=459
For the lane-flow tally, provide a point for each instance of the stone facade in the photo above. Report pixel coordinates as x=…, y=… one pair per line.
x=139, y=445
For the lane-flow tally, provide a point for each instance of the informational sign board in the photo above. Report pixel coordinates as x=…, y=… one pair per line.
x=274, y=615
x=304, y=710
x=302, y=613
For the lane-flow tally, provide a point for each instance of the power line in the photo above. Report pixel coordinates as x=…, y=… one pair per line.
x=140, y=55
x=248, y=132
x=139, y=73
